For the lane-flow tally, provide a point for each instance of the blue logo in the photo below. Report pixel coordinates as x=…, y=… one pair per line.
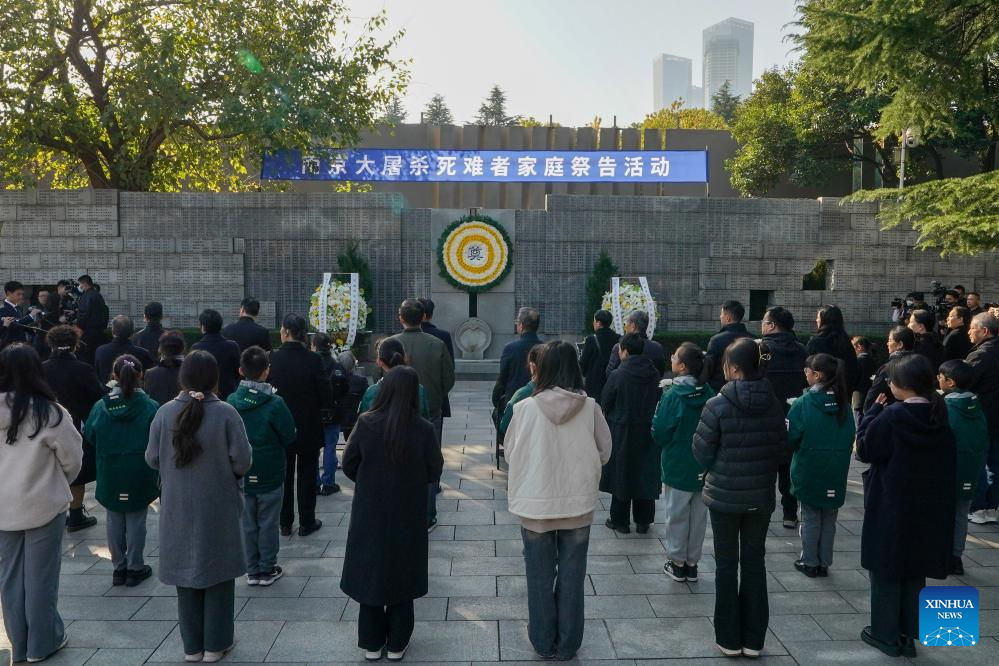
x=948, y=616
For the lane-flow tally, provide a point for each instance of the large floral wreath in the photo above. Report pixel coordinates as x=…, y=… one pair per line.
x=631, y=297
x=338, y=312
x=474, y=253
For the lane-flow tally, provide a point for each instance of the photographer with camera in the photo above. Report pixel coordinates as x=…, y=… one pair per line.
x=91, y=318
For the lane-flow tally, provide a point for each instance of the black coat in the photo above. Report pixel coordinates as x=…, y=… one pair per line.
x=513, y=367
x=91, y=312
x=652, y=350
x=786, y=369
x=928, y=345
x=444, y=337
x=880, y=385
x=956, y=344
x=300, y=379
x=346, y=409
x=629, y=402
x=246, y=332
x=837, y=344
x=740, y=441
x=909, y=491
x=593, y=362
x=717, y=345
x=77, y=389
x=149, y=339
x=107, y=354
x=386, y=558
x=162, y=383
x=984, y=358
x=226, y=353
x=866, y=369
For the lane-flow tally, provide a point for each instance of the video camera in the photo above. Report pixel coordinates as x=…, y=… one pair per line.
x=68, y=301
x=917, y=300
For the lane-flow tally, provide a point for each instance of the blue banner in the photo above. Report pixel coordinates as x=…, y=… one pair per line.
x=489, y=166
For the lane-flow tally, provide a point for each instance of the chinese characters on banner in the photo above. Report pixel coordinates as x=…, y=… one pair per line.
x=471, y=166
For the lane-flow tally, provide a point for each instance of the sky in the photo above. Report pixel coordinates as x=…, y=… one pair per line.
x=573, y=59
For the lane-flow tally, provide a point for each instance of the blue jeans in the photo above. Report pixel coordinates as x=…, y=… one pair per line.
x=987, y=496
x=556, y=573
x=327, y=475
x=261, y=542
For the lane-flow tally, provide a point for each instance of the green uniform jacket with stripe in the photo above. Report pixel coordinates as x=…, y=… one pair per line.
x=822, y=446
x=118, y=429
x=673, y=426
x=270, y=427
x=971, y=432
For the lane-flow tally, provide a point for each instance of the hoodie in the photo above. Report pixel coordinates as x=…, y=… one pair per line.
x=118, y=429
x=822, y=444
x=741, y=440
x=555, y=446
x=971, y=435
x=673, y=426
x=270, y=428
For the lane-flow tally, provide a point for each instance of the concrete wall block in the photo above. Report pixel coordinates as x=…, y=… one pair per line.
x=853, y=268
x=15, y=197
x=69, y=198
x=207, y=245
x=767, y=282
x=716, y=297
x=149, y=245
x=41, y=213
x=889, y=253
x=147, y=261
x=754, y=266
x=712, y=281
x=92, y=228
x=90, y=261
x=8, y=212
x=220, y=279
x=208, y=262
x=898, y=236
x=98, y=244
x=92, y=213
x=25, y=229
x=963, y=266
x=108, y=275
x=850, y=237
x=20, y=260
x=865, y=223
x=35, y=276
x=743, y=250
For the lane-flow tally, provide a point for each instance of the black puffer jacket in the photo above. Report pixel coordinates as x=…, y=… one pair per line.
x=740, y=441
x=786, y=369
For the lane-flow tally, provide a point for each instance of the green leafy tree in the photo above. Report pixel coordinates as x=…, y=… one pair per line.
x=724, y=103
x=437, y=112
x=677, y=117
x=164, y=94
x=394, y=114
x=351, y=261
x=597, y=285
x=492, y=111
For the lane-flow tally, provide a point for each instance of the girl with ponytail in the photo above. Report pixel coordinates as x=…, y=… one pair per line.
x=118, y=429
x=673, y=426
x=821, y=430
x=390, y=354
x=909, y=501
x=199, y=445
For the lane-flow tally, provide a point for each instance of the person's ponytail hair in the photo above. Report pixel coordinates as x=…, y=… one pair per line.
x=391, y=352
x=834, y=371
x=698, y=364
x=748, y=356
x=127, y=371
x=398, y=400
x=199, y=377
x=915, y=373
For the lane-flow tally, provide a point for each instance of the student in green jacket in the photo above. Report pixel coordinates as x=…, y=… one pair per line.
x=673, y=426
x=390, y=354
x=270, y=428
x=821, y=431
x=525, y=391
x=118, y=429
x=971, y=433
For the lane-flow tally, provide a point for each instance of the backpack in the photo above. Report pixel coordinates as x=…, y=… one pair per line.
x=340, y=382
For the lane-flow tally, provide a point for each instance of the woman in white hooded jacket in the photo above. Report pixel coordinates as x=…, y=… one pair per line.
x=556, y=445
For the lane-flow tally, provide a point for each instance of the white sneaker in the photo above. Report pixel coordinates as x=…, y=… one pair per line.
x=197, y=656
x=750, y=652
x=35, y=660
x=373, y=655
x=729, y=653
x=991, y=516
x=978, y=517
x=397, y=656
x=212, y=657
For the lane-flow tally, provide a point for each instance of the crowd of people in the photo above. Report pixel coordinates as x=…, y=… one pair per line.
x=236, y=440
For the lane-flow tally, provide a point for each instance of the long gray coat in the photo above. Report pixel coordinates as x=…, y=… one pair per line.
x=200, y=504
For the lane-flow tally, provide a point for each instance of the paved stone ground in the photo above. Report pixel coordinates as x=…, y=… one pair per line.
x=476, y=610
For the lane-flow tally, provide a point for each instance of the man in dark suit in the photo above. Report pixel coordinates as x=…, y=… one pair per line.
x=513, y=360
x=298, y=376
x=12, y=320
x=732, y=329
x=596, y=354
x=246, y=332
x=442, y=335
x=121, y=343
x=91, y=317
x=149, y=337
x=226, y=352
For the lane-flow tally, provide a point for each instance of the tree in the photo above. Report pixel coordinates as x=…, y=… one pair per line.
x=437, y=113
x=164, y=94
x=937, y=60
x=492, y=111
x=800, y=125
x=724, y=103
x=677, y=117
x=597, y=285
x=351, y=261
x=394, y=114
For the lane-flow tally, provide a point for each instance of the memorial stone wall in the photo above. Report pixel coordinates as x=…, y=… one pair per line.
x=197, y=250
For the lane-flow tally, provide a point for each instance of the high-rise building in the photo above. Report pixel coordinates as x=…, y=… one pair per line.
x=671, y=81
x=728, y=56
